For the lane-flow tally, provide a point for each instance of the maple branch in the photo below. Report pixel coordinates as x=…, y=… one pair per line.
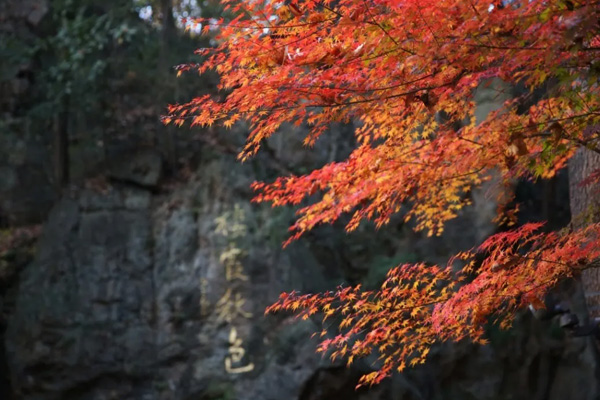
x=377, y=24
x=581, y=142
x=496, y=47
x=205, y=21
x=358, y=90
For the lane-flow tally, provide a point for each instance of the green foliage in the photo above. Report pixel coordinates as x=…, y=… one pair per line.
x=87, y=38
x=92, y=67
x=14, y=52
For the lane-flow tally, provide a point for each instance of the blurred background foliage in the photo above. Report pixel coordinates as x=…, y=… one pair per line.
x=94, y=77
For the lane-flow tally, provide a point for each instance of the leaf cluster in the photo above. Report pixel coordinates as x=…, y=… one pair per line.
x=419, y=305
x=405, y=72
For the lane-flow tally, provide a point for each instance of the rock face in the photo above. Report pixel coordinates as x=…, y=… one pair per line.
x=135, y=296
x=140, y=295
x=142, y=168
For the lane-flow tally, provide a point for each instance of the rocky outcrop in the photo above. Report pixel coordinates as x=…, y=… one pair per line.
x=138, y=294
x=129, y=298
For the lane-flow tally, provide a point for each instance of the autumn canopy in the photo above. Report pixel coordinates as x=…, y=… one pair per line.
x=404, y=72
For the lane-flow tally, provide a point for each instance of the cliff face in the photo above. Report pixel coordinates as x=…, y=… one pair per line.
x=151, y=284
x=141, y=294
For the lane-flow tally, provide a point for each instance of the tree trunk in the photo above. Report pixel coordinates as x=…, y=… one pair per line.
x=60, y=146
x=167, y=33
x=585, y=202
x=166, y=139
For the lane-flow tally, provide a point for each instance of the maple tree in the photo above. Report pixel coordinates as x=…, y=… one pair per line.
x=404, y=72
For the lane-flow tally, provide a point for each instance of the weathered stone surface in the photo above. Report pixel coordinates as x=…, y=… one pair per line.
x=111, y=308
x=125, y=301
x=143, y=167
x=91, y=287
